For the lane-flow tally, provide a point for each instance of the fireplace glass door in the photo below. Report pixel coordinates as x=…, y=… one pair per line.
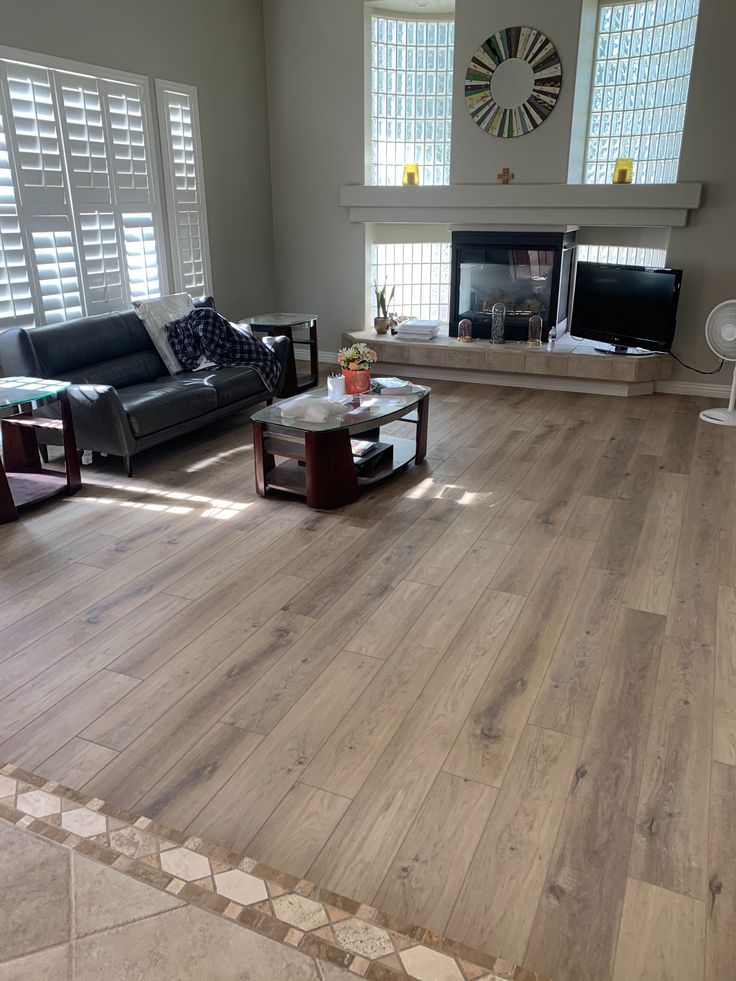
x=521, y=279
x=529, y=272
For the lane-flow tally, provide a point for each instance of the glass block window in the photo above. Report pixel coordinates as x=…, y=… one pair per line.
x=420, y=271
x=411, y=98
x=622, y=255
x=642, y=70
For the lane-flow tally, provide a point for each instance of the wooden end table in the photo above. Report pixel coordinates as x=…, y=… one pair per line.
x=23, y=479
x=284, y=325
x=319, y=459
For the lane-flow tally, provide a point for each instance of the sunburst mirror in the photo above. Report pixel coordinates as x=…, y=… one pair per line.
x=513, y=81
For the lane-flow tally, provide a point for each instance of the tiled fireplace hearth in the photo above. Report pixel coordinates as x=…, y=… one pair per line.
x=574, y=365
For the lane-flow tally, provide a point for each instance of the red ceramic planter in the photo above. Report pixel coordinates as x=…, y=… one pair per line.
x=356, y=382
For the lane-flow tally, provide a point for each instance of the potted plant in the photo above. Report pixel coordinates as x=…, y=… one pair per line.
x=356, y=362
x=382, y=322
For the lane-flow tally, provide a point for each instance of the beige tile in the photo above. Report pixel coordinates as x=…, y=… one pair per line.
x=38, y=803
x=504, y=358
x=105, y=898
x=588, y=366
x=188, y=945
x=306, y=914
x=428, y=353
x=467, y=356
x=84, y=822
x=185, y=864
x=363, y=938
x=241, y=887
x=34, y=898
x=7, y=787
x=430, y=965
x=46, y=965
x=543, y=363
x=133, y=842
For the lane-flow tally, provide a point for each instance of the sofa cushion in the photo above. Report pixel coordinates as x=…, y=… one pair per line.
x=131, y=369
x=233, y=384
x=61, y=348
x=166, y=402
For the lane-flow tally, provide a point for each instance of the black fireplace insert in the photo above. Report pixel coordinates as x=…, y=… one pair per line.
x=529, y=272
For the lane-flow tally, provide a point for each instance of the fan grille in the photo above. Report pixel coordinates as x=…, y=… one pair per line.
x=720, y=330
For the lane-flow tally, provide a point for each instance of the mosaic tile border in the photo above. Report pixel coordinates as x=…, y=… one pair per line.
x=359, y=938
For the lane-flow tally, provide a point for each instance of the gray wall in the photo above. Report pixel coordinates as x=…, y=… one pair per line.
x=315, y=93
x=315, y=77
x=539, y=157
x=217, y=46
x=706, y=249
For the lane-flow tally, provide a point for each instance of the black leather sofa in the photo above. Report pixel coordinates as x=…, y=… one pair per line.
x=123, y=398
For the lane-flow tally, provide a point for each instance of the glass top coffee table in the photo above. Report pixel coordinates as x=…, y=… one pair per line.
x=23, y=481
x=321, y=464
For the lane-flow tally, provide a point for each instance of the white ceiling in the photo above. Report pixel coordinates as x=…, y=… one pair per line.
x=417, y=7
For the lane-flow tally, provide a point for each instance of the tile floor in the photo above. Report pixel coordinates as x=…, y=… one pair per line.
x=82, y=883
x=66, y=916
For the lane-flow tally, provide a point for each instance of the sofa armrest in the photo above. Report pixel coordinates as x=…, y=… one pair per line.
x=100, y=421
x=284, y=351
x=17, y=357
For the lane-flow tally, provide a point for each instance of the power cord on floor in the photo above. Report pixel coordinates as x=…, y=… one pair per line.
x=698, y=370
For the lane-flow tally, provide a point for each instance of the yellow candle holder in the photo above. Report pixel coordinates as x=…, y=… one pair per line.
x=410, y=176
x=623, y=171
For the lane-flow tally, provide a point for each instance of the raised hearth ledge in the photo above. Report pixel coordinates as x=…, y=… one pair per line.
x=629, y=205
x=573, y=366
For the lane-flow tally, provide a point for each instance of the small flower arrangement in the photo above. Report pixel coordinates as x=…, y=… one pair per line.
x=357, y=357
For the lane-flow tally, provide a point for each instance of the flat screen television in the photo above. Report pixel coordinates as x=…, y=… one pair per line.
x=628, y=307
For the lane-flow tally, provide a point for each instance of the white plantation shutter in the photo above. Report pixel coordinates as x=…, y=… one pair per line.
x=16, y=300
x=56, y=269
x=184, y=181
x=81, y=220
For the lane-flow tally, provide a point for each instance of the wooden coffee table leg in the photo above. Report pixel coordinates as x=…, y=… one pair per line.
x=264, y=461
x=423, y=414
x=331, y=478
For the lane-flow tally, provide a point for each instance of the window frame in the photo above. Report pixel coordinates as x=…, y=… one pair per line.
x=163, y=86
x=585, y=89
x=74, y=208
x=370, y=11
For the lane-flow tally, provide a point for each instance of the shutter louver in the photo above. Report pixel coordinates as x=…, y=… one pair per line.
x=142, y=255
x=100, y=254
x=130, y=160
x=16, y=298
x=184, y=186
x=56, y=268
x=85, y=135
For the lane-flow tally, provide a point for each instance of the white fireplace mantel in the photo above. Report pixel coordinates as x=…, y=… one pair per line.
x=623, y=205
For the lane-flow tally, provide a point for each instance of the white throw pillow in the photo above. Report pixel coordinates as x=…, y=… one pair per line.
x=156, y=314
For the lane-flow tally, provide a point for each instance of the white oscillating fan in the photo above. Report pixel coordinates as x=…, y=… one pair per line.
x=720, y=333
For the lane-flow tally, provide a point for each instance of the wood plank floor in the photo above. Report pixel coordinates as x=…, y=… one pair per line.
x=495, y=696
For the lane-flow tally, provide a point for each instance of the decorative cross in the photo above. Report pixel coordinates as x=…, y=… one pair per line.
x=505, y=177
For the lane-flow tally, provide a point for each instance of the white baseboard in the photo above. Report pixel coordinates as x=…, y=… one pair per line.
x=709, y=389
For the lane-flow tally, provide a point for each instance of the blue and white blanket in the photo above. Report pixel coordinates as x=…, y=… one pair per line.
x=203, y=337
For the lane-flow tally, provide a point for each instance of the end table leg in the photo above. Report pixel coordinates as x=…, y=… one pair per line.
x=71, y=457
x=423, y=414
x=8, y=510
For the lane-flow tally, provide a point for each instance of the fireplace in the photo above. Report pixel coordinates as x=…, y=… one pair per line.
x=529, y=272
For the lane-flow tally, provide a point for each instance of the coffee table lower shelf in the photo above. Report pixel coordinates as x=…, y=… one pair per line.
x=327, y=477
x=30, y=488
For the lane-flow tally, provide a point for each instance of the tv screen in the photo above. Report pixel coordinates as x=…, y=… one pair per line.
x=628, y=306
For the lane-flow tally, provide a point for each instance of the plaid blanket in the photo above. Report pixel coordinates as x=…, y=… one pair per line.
x=202, y=337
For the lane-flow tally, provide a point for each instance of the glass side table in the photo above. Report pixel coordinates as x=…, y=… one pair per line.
x=23, y=480
x=284, y=325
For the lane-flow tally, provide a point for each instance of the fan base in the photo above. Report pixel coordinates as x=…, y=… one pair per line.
x=721, y=417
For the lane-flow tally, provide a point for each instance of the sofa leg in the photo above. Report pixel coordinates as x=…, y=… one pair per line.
x=128, y=465
x=269, y=401
x=44, y=451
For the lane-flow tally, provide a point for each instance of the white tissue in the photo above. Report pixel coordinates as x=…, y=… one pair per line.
x=311, y=409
